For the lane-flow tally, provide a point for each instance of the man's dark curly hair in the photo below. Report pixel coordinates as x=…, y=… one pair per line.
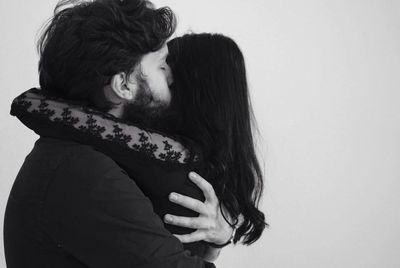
x=87, y=42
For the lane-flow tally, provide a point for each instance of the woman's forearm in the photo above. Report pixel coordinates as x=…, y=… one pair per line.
x=212, y=254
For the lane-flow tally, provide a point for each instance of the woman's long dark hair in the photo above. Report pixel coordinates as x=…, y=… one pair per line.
x=212, y=106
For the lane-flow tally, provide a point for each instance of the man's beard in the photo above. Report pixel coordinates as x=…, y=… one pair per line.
x=145, y=110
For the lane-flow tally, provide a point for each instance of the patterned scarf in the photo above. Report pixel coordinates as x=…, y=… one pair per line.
x=35, y=105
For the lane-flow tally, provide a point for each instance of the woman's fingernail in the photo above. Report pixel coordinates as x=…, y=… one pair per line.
x=193, y=175
x=173, y=196
x=168, y=218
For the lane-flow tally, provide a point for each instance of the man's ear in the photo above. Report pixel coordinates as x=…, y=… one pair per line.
x=119, y=85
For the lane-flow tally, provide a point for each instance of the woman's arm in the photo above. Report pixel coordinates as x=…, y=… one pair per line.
x=211, y=254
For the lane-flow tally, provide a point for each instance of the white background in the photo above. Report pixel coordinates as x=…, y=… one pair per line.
x=325, y=82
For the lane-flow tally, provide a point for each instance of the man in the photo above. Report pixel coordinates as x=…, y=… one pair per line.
x=70, y=205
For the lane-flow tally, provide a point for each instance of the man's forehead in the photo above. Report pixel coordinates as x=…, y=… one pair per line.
x=163, y=52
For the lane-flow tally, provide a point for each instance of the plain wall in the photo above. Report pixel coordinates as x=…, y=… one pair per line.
x=325, y=84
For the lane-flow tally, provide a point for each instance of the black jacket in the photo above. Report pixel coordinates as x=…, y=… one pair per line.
x=72, y=206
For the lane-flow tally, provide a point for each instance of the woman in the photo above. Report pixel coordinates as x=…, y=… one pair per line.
x=209, y=127
x=211, y=106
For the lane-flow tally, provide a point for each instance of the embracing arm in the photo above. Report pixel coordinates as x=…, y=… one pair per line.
x=97, y=214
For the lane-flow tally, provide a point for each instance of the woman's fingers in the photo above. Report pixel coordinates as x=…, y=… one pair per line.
x=189, y=222
x=188, y=202
x=192, y=237
x=205, y=186
x=210, y=224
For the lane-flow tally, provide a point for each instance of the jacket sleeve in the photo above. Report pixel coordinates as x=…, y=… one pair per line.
x=97, y=214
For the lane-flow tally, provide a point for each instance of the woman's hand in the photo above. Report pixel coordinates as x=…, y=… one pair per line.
x=210, y=224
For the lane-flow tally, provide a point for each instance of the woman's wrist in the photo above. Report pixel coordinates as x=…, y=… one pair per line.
x=225, y=243
x=212, y=254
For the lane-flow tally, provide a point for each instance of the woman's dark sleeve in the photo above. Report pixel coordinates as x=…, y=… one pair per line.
x=96, y=213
